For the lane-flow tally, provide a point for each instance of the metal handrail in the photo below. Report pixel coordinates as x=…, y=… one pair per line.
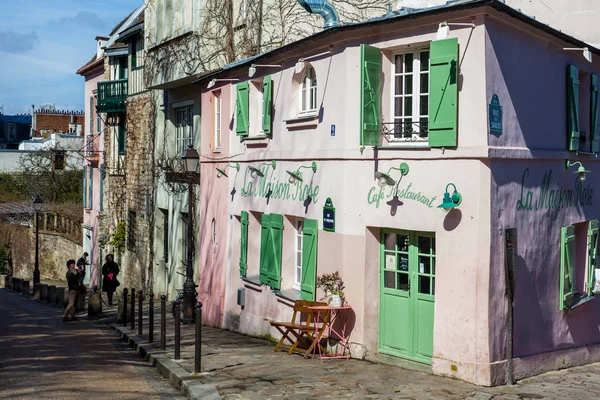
x=405, y=130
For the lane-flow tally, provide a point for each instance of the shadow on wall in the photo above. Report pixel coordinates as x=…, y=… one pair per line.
x=452, y=219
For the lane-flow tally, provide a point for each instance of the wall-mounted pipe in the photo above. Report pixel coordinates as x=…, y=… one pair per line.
x=324, y=9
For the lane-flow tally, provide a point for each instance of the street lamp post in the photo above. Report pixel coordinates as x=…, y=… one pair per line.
x=191, y=159
x=37, y=206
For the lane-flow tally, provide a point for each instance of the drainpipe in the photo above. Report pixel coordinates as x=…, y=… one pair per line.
x=324, y=9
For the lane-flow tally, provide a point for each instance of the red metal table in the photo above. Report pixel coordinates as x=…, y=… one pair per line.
x=329, y=323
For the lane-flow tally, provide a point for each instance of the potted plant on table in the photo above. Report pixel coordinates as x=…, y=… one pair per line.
x=333, y=287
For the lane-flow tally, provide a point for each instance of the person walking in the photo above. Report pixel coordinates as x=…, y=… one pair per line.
x=110, y=270
x=74, y=287
x=81, y=263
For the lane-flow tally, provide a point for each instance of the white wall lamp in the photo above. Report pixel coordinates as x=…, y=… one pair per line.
x=256, y=172
x=223, y=171
x=581, y=171
x=252, y=69
x=213, y=82
x=296, y=176
x=587, y=54
x=301, y=64
x=444, y=28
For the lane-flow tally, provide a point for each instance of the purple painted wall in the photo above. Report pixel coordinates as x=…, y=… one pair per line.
x=530, y=81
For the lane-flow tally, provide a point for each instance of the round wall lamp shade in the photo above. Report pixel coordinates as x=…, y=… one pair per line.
x=294, y=176
x=451, y=201
x=221, y=172
x=581, y=172
x=384, y=179
x=255, y=172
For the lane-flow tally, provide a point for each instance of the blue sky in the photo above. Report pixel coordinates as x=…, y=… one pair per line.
x=43, y=43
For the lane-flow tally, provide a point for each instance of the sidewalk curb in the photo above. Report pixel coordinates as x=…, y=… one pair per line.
x=182, y=380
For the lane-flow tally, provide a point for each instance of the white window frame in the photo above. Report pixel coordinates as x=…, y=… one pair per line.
x=417, y=116
x=184, y=128
x=308, y=91
x=217, y=116
x=299, y=225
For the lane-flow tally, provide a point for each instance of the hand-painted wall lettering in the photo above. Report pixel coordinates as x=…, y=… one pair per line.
x=553, y=196
x=376, y=194
x=276, y=188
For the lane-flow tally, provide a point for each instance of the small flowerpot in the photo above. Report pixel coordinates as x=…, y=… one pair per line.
x=336, y=300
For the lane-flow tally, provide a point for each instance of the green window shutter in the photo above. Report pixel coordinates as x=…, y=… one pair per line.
x=242, y=109
x=595, y=132
x=592, y=254
x=265, y=233
x=84, y=191
x=121, y=139
x=244, y=243
x=567, y=265
x=309, y=259
x=91, y=188
x=267, y=104
x=370, y=95
x=91, y=115
x=443, y=93
x=573, y=107
x=133, y=56
x=102, y=172
x=276, y=237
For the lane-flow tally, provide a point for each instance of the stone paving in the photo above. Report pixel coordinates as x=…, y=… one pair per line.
x=243, y=367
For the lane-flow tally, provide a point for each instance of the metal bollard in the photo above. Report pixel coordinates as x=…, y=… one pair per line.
x=125, y=306
x=177, y=329
x=132, y=308
x=151, y=318
x=26, y=291
x=163, y=322
x=198, y=346
x=140, y=311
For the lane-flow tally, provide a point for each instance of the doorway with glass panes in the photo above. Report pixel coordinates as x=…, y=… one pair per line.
x=407, y=294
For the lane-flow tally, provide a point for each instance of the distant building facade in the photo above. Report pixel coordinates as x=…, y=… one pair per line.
x=13, y=130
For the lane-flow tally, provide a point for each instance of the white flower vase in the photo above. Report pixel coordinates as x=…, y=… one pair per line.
x=336, y=300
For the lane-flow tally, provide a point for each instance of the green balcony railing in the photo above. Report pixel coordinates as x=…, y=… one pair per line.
x=112, y=96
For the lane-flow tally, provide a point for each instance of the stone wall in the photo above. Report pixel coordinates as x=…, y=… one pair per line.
x=54, y=251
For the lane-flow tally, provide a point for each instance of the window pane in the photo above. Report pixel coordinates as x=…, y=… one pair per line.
x=424, y=86
x=403, y=242
x=424, y=106
x=388, y=279
x=433, y=245
x=424, y=265
x=408, y=84
x=432, y=265
x=403, y=281
x=389, y=241
x=402, y=262
x=398, y=64
x=398, y=89
x=408, y=106
x=408, y=62
x=433, y=286
x=390, y=261
x=398, y=107
x=424, y=285
x=425, y=61
x=424, y=244
x=299, y=259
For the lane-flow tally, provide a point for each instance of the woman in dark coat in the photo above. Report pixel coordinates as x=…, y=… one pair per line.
x=110, y=270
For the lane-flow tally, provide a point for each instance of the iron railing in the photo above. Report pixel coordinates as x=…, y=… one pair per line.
x=405, y=130
x=112, y=96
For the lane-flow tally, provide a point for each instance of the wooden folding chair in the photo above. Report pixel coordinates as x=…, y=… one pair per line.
x=300, y=331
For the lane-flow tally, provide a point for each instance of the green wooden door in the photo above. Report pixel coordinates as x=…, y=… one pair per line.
x=407, y=287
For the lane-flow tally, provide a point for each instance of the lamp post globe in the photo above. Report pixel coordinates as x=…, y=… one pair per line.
x=191, y=159
x=37, y=206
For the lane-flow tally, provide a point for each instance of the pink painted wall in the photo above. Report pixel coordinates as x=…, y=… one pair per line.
x=530, y=83
x=461, y=337
x=214, y=198
x=90, y=217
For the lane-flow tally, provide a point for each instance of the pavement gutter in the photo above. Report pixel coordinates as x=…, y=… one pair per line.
x=188, y=384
